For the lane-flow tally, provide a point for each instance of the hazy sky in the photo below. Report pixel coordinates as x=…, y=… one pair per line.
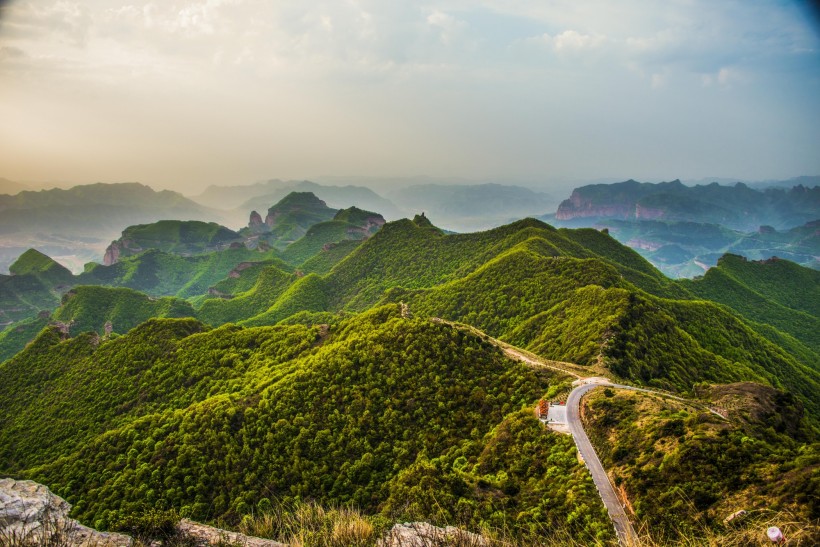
x=188, y=93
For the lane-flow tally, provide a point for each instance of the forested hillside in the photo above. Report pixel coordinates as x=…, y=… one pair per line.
x=212, y=421
x=329, y=381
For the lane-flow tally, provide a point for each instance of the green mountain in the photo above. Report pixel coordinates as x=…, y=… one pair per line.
x=683, y=470
x=347, y=224
x=774, y=292
x=342, y=385
x=172, y=236
x=91, y=308
x=378, y=398
x=35, y=284
x=289, y=219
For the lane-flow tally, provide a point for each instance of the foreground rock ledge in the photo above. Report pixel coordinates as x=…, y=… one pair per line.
x=30, y=513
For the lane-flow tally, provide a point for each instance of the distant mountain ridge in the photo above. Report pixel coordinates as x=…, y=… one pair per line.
x=684, y=230
x=175, y=236
x=737, y=207
x=77, y=224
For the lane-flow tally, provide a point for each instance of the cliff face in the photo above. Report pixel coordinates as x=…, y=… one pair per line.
x=112, y=253
x=580, y=208
x=737, y=207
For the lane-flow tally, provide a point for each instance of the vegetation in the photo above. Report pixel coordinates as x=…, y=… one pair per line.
x=282, y=395
x=683, y=471
x=382, y=399
x=175, y=236
x=90, y=308
x=291, y=218
x=776, y=292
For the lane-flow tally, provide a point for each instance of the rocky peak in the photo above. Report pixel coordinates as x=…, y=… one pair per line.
x=296, y=202
x=255, y=220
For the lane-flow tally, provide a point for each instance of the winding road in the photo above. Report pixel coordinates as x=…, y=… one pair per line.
x=623, y=528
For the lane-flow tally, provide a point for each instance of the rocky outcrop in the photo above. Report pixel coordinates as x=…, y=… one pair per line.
x=30, y=513
x=423, y=534
x=581, y=206
x=208, y=535
x=112, y=254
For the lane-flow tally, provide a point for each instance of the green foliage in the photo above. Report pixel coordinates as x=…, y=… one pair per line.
x=684, y=470
x=164, y=274
x=292, y=216
x=176, y=237
x=348, y=224
x=35, y=284
x=776, y=292
x=35, y=262
x=15, y=338
x=212, y=422
x=520, y=480
x=89, y=308
x=270, y=284
x=307, y=294
x=330, y=255
x=318, y=237
x=153, y=524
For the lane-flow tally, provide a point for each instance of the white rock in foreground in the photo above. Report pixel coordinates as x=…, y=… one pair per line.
x=30, y=512
x=424, y=534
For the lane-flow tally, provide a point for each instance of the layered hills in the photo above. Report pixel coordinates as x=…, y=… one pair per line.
x=364, y=371
x=78, y=223
x=737, y=207
x=186, y=259
x=683, y=230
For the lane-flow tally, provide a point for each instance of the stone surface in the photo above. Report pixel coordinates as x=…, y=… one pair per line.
x=29, y=511
x=424, y=534
x=211, y=535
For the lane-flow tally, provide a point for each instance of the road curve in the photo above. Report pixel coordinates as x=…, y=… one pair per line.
x=623, y=528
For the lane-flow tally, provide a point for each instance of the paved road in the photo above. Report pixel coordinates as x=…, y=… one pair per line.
x=623, y=528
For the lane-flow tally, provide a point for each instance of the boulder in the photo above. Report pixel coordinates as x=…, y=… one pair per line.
x=424, y=534
x=30, y=513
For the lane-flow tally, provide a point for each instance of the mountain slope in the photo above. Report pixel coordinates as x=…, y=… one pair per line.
x=90, y=308
x=775, y=292
x=683, y=470
x=171, y=236
x=35, y=284
x=276, y=415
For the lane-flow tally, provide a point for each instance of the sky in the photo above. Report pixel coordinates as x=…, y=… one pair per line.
x=183, y=94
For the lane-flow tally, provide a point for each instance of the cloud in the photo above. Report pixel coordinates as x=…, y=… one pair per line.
x=336, y=84
x=571, y=40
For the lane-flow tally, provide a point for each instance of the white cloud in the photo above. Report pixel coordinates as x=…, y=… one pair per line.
x=506, y=69
x=572, y=40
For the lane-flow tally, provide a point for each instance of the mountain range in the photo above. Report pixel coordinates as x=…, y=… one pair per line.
x=76, y=225
x=212, y=371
